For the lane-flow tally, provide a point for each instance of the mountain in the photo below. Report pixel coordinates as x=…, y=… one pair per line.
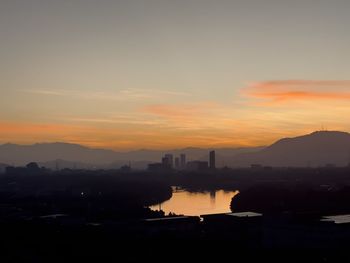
x=65, y=155
x=316, y=149
x=44, y=152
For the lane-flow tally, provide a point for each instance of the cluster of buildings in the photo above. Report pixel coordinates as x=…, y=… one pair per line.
x=168, y=162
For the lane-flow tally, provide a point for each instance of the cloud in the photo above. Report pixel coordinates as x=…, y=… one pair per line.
x=112, y=120
x=180, y=110
x=282, y=91
x=196, y=118
x=117, y=95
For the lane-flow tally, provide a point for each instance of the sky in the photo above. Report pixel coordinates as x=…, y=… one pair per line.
x=163, y=74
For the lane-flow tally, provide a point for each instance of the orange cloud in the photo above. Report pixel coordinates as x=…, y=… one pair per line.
x=281, y=91
x=30, y=128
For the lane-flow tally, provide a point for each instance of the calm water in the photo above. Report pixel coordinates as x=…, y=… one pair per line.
x=198, y=203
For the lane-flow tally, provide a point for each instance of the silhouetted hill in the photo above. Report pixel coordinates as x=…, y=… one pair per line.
x=316, y=149
x=74, y=155
x=44, y=152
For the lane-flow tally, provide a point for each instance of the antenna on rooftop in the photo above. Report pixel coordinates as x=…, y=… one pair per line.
x=323, y=128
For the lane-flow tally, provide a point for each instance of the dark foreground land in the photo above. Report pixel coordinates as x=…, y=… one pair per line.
x=102, y=215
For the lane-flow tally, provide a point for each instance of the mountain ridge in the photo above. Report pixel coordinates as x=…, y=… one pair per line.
x=315, y=149
x=47, y=153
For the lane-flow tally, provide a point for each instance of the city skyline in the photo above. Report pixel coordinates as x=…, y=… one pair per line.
x=126, y=75
x=139, y=130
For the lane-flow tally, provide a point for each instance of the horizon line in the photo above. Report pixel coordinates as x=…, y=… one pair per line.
x=162, y=149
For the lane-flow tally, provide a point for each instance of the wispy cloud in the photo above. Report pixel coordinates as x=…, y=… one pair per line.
x=48, y=92
x=282, y=91
x=113, y=120
x=117, y=95
x=191, y=117
x=180, y=110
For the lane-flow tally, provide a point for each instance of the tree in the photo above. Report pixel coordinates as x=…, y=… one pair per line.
x=33, y=166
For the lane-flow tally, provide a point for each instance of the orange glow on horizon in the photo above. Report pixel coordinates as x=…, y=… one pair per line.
x=289, y=108
x=109, y=138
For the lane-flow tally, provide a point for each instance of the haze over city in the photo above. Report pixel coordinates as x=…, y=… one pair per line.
x=154, y=74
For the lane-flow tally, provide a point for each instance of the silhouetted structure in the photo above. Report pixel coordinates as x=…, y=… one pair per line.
x=166, y=163
x=33, y=166
x=170, y=159
x=183, y=161
x=212, y=160
x=177, y=163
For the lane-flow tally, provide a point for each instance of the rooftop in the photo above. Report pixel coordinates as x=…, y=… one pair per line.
x=166, y=218
x=239, y=214
x=245, y=214
x=338, y=219
x=54, y=216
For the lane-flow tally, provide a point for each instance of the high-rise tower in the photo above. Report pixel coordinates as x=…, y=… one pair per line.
x=182, y=161
x=212, y=160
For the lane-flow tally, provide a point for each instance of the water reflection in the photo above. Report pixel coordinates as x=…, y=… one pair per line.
x=197, y=203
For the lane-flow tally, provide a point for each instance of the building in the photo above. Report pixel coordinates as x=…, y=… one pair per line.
x=183, y=161
x=177, y=163
x=212, y=160
x=197, y=166
x=170, y=159
x=166, y=164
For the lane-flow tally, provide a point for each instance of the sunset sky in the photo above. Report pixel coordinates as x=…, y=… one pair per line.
x=169, y=74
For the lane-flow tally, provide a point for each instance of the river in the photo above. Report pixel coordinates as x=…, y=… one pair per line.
x=188, y=203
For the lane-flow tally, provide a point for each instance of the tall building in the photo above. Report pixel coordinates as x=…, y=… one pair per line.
x=166, y=163
x=170, y=159
x=177, y=163
x=182, y=161
x=212, y=160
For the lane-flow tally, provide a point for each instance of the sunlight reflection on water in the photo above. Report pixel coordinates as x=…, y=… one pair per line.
x=197, y=203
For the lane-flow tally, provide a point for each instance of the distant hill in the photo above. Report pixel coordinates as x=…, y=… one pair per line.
x=44, y=152
x=316, y=149
x=65, y=155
